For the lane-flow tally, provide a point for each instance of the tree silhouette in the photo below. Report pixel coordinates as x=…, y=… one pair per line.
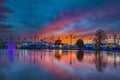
x=80, y=43
x=100, y=38
x=58, y=42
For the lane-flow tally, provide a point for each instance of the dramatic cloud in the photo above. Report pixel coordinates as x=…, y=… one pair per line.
x=4, y=28
x=44, y=17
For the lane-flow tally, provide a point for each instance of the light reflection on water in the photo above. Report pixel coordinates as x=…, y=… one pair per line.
x=59, y=65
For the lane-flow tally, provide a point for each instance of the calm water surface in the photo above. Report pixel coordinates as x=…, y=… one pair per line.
x=59, y=65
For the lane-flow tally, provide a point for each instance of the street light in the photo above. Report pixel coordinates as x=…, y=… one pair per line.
x=71, y=37
x=118, y=39
x=114, y=35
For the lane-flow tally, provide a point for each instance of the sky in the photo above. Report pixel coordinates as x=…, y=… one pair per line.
x=57, y=17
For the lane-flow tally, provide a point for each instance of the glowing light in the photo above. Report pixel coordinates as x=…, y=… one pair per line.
x=11, y=47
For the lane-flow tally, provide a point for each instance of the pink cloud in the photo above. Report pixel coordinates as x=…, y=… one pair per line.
x=66, y=18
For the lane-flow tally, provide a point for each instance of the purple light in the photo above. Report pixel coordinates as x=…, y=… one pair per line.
x=11, y=49
x=11, y=46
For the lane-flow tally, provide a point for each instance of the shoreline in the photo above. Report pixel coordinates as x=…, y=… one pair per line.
x=61, y=49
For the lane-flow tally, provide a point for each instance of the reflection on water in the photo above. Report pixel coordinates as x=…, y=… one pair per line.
x=59, y=65
x=11, y=55
x=80, y=55
x=100, y=62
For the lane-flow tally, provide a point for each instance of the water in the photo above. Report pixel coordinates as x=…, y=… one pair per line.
x=59, y=65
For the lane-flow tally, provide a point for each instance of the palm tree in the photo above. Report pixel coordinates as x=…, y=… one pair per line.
x=58, y=42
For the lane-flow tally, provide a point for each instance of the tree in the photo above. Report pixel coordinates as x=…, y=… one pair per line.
x=100, y=38
x=58, y=42
x=80, y=43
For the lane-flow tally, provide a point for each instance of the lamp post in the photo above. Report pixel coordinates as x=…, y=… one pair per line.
x=71, y=39
x=118, y=40
x=114, y=35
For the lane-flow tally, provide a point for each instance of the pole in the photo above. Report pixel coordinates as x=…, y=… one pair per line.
x=71, y=40
x=114, y=39
x=118, y=40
